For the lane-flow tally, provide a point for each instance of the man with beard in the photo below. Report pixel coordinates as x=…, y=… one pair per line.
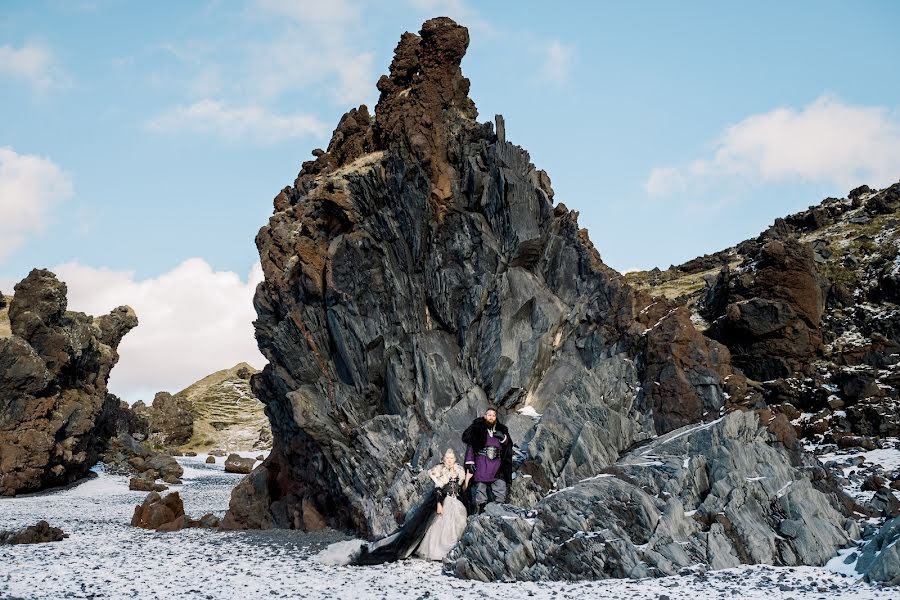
x=488, y=458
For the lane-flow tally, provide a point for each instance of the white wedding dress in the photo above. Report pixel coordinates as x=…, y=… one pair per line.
x=445, y=529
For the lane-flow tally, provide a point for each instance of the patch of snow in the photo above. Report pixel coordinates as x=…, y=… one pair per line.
x=529, y=411
x=106, y=557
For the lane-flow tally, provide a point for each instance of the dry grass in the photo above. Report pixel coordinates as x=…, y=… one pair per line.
x=673, y=284
x=226, y=415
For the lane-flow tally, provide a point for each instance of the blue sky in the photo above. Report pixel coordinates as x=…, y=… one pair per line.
x=142, y=144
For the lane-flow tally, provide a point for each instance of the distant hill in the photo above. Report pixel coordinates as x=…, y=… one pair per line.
x=5, y=331
x=227, y=415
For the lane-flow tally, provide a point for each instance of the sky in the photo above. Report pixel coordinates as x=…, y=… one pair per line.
x=141, y=144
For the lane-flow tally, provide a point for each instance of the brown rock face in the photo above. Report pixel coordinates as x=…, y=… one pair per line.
x=235, y=463
x=171, y=422
x=419, y=270
x=684, y=372
x=166, y=514
x=55, y=413
x=769, y=311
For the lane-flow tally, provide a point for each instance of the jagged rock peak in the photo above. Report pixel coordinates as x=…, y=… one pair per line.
x=55, y=412
x=429, y=276
x=422, y=99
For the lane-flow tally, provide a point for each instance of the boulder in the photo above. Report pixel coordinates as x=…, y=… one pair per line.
x=238, y=464
x=166, y=514
x=719, y=495
x=157, y=511
x=38, y=533
x=55, y=413
x=210, y=460
x=139, y=484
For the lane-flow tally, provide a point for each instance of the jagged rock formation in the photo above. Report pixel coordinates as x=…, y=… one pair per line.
x=171, y=422
x=55, y=413
x=417, y=271
x=770, y=310
x=810, y=309
x=719, y=494
x=226, y=414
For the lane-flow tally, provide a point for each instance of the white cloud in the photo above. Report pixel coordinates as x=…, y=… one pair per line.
x=826, y=141
x=557, y=62
x=193, y=321
x=34, y=64
x=238, y=123
x=30, y=187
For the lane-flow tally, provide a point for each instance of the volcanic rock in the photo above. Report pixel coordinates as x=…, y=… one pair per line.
x=125, y=455
x=417, y=271
x=720, y=494
x=55, y=413
x=166, y=514
x=235, y=463
x=768, y=312
x=38, y=533
x=880, y=557
x=139, y=484
x=170, y=420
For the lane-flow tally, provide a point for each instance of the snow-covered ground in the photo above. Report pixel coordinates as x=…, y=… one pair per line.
x=105, y=557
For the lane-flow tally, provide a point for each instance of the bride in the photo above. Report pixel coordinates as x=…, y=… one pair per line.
x=430, y=531
x=450, y=521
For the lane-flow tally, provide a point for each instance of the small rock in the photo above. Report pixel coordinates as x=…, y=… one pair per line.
x=138, y=484
x=237, y=464
x=210, y=460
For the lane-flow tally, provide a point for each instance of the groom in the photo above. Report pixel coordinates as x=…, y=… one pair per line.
x=488, y=457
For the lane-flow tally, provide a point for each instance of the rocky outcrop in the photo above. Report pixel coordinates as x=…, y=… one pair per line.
x=127, y=456
x=55, y=413
x=226, y=413
x=720, y=495
x=166, y=514
x=171, y=422
x=39, y=533
x=768, y=311
x=419, y=270
x=879, y=558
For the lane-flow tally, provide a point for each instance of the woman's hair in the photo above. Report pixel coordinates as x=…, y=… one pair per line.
x=450, y=451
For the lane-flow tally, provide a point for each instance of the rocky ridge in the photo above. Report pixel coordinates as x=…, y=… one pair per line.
x=55, y=412
x=418, y=270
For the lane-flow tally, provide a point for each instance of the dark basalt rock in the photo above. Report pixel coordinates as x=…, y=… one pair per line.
x=170, y=420
x=39, y=533
x=55, y=413
x=419, y=270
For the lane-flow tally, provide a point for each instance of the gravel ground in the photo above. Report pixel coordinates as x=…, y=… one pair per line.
x=105, y=557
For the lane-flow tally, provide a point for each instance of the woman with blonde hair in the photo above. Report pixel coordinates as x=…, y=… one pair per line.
x=450, y=518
